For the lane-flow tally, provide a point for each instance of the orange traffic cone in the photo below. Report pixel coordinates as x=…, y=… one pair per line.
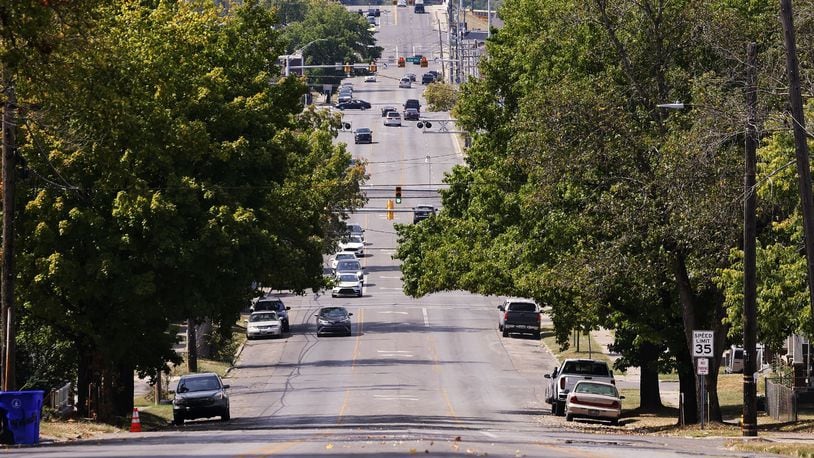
x=135, y=423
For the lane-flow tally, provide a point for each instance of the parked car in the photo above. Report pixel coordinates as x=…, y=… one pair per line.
x=427, y=78
x=263, y=324
x=393, y=119
x=362, y=135
x=563, y=379
x=412, y=103
x=519, y=316
x=370, y=79
x=422, y=212
x=200, y=396
x=411, y=76
x=274, y=304
x=591, y=399
x=405, y=83
x=354, y=244
x=354, y=104
x=411, y=114
x=347, y=285
x=343, y=256
x=354, y=267
x=333, y=320
x=388, y=109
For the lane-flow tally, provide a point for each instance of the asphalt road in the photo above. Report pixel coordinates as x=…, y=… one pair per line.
x=418, y=376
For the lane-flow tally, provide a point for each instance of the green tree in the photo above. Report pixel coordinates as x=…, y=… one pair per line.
x=440, y=96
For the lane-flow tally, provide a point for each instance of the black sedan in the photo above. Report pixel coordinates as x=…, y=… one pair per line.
x=333, y=320
x=354, y=104
x=200, y=396
x=411, y=114
x=362, y=135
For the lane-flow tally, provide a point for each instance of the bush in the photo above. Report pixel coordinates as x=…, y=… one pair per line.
x=440, y=96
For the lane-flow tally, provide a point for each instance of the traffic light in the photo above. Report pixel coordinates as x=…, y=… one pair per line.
x=424, y=62
x=398, y=194
x=372, y=67
x=401, y=62
x=348, y=69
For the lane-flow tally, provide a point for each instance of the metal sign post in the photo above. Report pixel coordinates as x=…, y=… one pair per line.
x=703, y=348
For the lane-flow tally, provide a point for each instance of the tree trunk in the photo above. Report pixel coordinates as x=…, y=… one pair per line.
x=83, y=382
x=123, y=390
x=686, y=383
x=192, y=346
x=692, y=406
x=650, y=395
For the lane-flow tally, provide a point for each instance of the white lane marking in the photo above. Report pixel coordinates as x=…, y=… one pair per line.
x=488, y=434
x=426, y=317
x=392, y=312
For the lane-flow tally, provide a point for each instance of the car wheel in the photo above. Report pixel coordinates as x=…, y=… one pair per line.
x=178, y=419
x=615, y=422
x=333, y=295
x=553, y=408
x=560, y=409
x=537, y=335
x=505, y=332
x=569, y=417
x=225, y=416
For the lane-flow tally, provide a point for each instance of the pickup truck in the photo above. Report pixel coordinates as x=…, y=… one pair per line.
x=519, y=316
x=563, y=379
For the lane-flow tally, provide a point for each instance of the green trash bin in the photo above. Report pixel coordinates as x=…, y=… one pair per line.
x=21, y=413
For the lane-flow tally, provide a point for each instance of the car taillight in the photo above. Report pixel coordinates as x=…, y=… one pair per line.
x=562, y=383
x=505, y=316
x=574, y=400
x=538, y=318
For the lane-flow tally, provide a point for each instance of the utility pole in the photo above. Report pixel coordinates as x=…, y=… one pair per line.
x=440, y=45
x=7, y=285
x=749, y=423
x=800, y=145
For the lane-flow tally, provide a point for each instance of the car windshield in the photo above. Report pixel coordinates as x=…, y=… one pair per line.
x=198, y=384
x=354, y=228
x=522, y=307
x=355, y=239
x=349, y=265
x=267, y=316
x=595, y=388
x=334, y=312
x=341, y=256
x=268, y=305
x=363, y=130
x=348, y=278
x=586, y=368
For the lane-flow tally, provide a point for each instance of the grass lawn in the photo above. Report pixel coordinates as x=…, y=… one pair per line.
x=785, y=448
x=585, y=342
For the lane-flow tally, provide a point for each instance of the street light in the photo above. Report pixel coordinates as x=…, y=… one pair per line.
x=300, y=51
x=749, y=422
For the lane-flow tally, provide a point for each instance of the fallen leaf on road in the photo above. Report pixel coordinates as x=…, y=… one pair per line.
x=329, y=446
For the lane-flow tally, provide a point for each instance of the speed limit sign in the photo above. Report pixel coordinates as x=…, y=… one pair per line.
x=702, y=344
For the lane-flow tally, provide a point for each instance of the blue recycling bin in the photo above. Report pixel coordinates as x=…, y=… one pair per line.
x=23, y=412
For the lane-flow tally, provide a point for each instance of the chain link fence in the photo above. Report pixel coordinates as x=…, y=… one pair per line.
x=781, y=401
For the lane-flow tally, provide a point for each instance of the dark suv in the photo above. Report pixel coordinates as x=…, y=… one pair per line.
x=427, y=78
x=422, y=212
x=274, y=304
x=412, y=103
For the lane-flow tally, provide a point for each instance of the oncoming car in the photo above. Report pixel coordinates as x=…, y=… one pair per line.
x=333, y=320
x=591, y=399
x=200, y=396
x=347, y=285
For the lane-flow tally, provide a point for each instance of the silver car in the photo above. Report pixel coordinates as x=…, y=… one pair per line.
x=264, y=324
x=405, y=83
x=351, y=267
x=393, y=118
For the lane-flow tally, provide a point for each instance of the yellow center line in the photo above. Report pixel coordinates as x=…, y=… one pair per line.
x=359, y=329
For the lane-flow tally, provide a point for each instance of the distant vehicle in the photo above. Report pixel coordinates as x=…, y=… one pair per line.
x=412, y=103
x=200, y=396
x=354, y=267
x=274, y=304
x=262, y=324
x=405, y=83
x=422, y=212
x=590, y=399
x=345, y=97
x=371, y=20
x=388, y=109
x=354, y=244
x=436, y=74
x=375, y=12
x=370, y=79
x=346, y=285
x=393, y=119
x=402, y=3
x=411, y=76
x=333, y=320
x=343, y=256
x=411, y=114
x=427, y=78
x=418, y=9
x=355, y=229
x=519, y=316
x=362, y=135
x=354, y=104
x=563, y=379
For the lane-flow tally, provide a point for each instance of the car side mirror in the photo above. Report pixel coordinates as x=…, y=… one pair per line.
x=226, y=386
x=500, y=307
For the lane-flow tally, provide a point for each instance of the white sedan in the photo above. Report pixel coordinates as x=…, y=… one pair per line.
x=597, y=400
x=342, y=256
x=370, y=79
x=347, y=284
x=354, y=244
x=262, y=324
